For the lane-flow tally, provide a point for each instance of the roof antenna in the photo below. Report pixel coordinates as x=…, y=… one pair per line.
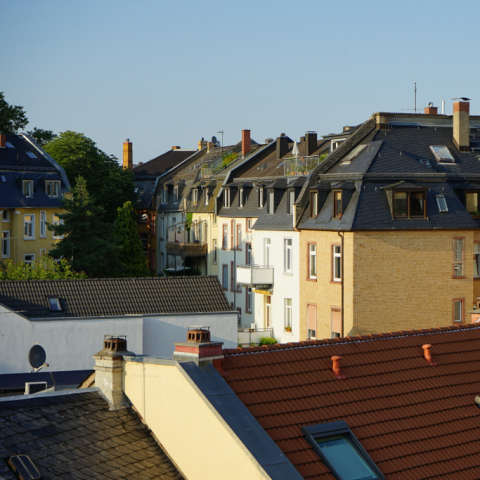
x=415, y=96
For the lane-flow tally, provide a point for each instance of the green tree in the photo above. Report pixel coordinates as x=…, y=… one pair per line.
x=44, y=269
x=109, y=184
x=87, y=243
x=12, y=117
x=131, y=249
x=41, y=136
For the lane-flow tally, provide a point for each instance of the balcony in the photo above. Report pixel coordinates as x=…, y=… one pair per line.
x=257, y=276
x=186, y=242
x=299, y=166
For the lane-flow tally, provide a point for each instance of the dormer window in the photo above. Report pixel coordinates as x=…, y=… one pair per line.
x=337, y=204
x=175, y=194
x=52, y=188
x=271, y=203
x=27, y=187
x=226, y=198
x=409, y=204
x=260, y=197
x=240, y=198
x=194, y=196
x=313, y=204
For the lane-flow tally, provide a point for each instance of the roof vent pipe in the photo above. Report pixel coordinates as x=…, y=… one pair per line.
x=427, y=351
x=336, y=368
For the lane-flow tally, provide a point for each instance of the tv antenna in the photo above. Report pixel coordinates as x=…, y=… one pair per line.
x=222, y=138
x=415, y=95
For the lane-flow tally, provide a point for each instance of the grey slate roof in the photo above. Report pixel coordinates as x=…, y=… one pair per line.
x=76, y=436
x=161, y=164
x=115, y=296
x=144, y=195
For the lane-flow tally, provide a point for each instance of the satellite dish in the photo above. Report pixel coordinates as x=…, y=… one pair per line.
x=430, y=104
x=37, y=356
x=214, y=140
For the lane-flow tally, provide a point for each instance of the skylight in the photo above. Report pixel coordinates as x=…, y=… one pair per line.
x=54, y=304
x=442, y=203
x=3, y=178
x=31, y=155
x=442, y=153
x=354, y=153
x=9, y=145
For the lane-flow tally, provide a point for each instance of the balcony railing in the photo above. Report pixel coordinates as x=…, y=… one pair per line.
x=187, y=239
x=255, y=275
x=298, y=166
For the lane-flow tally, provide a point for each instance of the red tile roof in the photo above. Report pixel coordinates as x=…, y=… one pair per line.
x=162, y=163
x=416, y=421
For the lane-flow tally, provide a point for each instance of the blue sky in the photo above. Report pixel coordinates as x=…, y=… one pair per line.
x=168, y=73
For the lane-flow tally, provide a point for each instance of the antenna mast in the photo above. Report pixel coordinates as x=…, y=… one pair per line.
x=415, y=97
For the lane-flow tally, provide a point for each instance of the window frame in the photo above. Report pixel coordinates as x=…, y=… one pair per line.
x=30, y=188
x=32, y=261
x=458, y=262
x=248, y=253
x=462, y=313
x=476, y=260
x=472, y=192
x=59, y=309
x=290, y=201
x=248, y=294
x=313, y=433
x=224, y=236
x=267, y=241
x=54, y=187
x=311, y=278
x=175, y=194
x=409, y=216
x=164, y=195
x=214, y=250
x=239, y=236
x=313, y=204
x=336, y=212
x=225, y=276
x=271, y=203
x=194, y=196
x=440, y=209
x=32, y=222
x=336, y=279
x=56, y=222
x=6, y=216
x=248, y=227
x=6, y=242
x=226, y=198
x=287, y=314
x=260, y=197
x=232, y=235
x=288, y=266
x=205, y=197
x=43, y=224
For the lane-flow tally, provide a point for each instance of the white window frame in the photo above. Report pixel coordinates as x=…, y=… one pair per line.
x=226, y=198
x=56, y=222
x=32, y=228
x=225, y=236
x=27, y=188
x=52, y=188
x=248, y=253
x=337, y=276
x=288, y=312
x=460, y=305
x=440, y=207
x=267, y=243
x=240, y=198
x=291, y=201
x=288, y=255
x=31, y=261
x=271, y=203
x=43, y=224
x=239, y=236
x=6, y=216
x=312, y=260
x=214, y=251
x=6, y=244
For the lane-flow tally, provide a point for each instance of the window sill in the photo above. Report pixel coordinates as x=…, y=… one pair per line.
x=29, y=238
x=288, y=273
x=458, y=278
x=288, y=332
x=42, y=236
x=311, y=279
x=338, y=282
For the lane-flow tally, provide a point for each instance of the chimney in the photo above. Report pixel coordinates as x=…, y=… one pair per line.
x=209, y=146
x=336, y=368
x=382, y=121
x=245, y=142
x=199, y=349
x=127, y=155
x=427, y=352
x=202, y=143
x=430, y=110
x=282, y=145
x=176, y=147
x=461, y=126
x=109, y=368
x=3, y=140
x=310, y=143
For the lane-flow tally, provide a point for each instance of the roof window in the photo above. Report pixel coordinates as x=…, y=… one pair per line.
x=341, y=452
x=353, y=153
x=442, y=153
x=442, y=203
x=31, y=155
x=24, y=467
x=9, y=145
x=54, y=304
x=3, y=178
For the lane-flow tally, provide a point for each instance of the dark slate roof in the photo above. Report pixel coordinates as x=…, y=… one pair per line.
x=115, y=296
x=16, y=381
x=144, y=195
x=161, y=164
x=76, y=436
x=16, y=158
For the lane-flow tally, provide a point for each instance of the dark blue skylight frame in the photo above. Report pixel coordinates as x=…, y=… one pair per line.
x=313, y=433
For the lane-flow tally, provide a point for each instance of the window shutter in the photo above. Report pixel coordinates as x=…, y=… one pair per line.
x=311, y=317
x=336, y=321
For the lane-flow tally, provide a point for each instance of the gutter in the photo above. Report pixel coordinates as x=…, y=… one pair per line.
x=343, y=286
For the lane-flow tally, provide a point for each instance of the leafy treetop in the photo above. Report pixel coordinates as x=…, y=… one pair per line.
x=12, y=117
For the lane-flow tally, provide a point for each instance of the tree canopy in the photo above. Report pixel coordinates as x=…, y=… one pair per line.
x=12, y=117
x=110, y=186
x=41, y=136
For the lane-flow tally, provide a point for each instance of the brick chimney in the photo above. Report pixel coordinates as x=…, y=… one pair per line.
x=245, y=142
x=282, y=146
x=3, y=140
x=209, y=146
x=127, y=155
x=310, y=143
x=461, y=126
x=109, y=368
x=202, y=143
x=199, y=349
x=430, y=110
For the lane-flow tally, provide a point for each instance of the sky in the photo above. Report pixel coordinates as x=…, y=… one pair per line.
x=166, y=73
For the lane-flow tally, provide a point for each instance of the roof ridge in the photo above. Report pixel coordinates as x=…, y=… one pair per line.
x=347, y=340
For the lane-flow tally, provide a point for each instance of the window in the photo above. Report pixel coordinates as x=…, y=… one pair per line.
x=232, y=276
x=30, y=259
x=164, y=196
x=271, y=203
x=248, y=253
x=290, y=202
x=232, y=234
x=288, y=314
x=206, y=198
x=175, y=194
x=409, y=204
x=313, y=204
x=6, y=244
x=458, y=257
x=225, y=236
x=312, y=261
x=28, y=188
x=226, y=198
x=442, y=153
x=249, y=225
x=336, y=263
x=476, y=260
x=6, y=216
x=194, y=196
x=225, y=276
x=341, y=452
x=442, y=203
x=240, y=198
x=54, y=304
x=472, y=202
x=267, y=242
x=239, y=236
x=260, y=197
x=248, y=300
x=214, y=250
x=337, y=204
x=52, y=188
x=43, y=224
x=311, y=322
x=336, y=322
x=239, y=310
x=55, y=222
x=288, y=264
x=29, y=227
x=458, y=310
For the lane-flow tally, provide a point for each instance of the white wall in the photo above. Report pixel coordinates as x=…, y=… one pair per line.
x=70, y=344
x=284, y=285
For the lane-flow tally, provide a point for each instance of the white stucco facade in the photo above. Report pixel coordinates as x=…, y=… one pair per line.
x=282, y=306
x=70, y=343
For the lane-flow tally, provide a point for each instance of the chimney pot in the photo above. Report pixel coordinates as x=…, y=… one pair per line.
x=428, y=354
x=127, y=155
x=176, y=147
x=461, y=126
x=245, y=142
x=336, y=368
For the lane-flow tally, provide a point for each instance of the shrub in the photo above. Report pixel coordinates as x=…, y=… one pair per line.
x=267, y=341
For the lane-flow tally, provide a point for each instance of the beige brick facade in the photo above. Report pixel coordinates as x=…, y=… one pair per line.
x=393, y=280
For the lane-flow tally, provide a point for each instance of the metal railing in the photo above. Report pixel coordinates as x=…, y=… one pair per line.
x=247, y=336
x=298, y=166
